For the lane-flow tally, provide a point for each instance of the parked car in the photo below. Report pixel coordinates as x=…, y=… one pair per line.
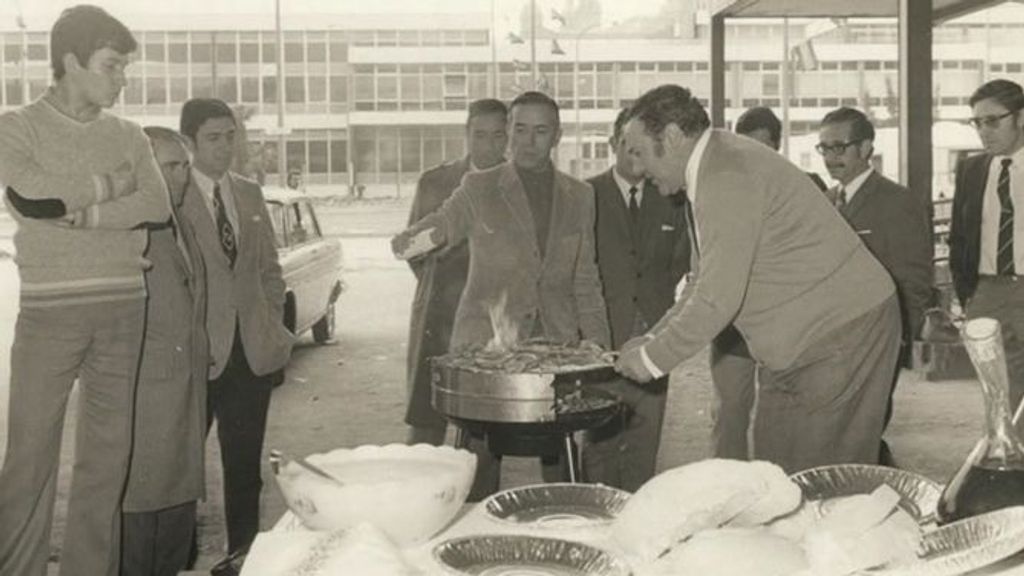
x=310, y=263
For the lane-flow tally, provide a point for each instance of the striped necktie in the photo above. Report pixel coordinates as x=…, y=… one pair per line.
x=225, y=231
x=841, y=197
x=1004, y=257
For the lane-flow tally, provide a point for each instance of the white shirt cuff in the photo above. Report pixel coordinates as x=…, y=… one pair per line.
x=655, y=372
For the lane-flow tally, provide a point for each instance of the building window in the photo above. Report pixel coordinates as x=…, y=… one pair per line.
x=153, y=52
x=339, y=52
x=339, y=154
x=178, y=52
x=770, y=85
x=37, y=52
x=317, y=157
x=156, y=90
x=250, y=89
x=269, y=52
x=226, y=51
x=296, y=154
x=339, y=89
x=14, y=92
x=249, y=53
x=294, y=89
x=201, y=51
x=133, y=91
x=202, y=87
x=227, y=89
x=317, y=89
x=179, y=89
x=269, y=90
x=316, y=52
x=293, y=52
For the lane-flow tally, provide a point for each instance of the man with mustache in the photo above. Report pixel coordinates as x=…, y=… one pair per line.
x=890, y=219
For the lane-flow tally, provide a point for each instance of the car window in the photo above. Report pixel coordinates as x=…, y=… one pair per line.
x=302, y=225
x=277, y=221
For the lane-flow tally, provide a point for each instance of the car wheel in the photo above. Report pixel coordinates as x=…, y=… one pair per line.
x=323, y=330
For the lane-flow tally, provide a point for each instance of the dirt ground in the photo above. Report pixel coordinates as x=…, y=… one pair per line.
x=352, y=391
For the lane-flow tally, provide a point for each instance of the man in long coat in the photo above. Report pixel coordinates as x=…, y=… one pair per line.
x=441, y=275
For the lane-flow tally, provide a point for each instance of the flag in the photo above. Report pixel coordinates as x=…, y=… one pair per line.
x=514, y=38
x=557, y=17
x=803, y=56
x=556, y=49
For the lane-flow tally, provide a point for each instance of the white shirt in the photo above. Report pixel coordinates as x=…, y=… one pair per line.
x=205, y=185
x=855, y=184
x=625, y=186
x=691, y=174
x=990, y=214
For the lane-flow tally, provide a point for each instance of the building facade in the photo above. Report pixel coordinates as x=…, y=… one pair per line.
x=374, y=100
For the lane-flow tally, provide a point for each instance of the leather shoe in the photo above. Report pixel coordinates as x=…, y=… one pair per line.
x=230, y=565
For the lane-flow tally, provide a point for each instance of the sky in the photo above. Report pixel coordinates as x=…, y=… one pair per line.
x=40, y=13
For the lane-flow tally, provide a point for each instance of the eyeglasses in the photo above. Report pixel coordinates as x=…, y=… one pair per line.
x=836, y=148
x=988, y=121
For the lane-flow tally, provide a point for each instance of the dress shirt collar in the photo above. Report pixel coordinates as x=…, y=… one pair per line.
x=206, y=184
x=1017, y=157
x=624, y=187
x=856, y=184
x=693, y=165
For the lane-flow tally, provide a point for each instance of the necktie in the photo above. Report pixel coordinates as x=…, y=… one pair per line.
x=225, y=231
x=634, y=207
x=841, y=197
x=1004, y=257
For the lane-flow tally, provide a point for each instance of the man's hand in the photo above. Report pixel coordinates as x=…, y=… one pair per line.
x=407, y=244
x=631, y=363
x=122, y=180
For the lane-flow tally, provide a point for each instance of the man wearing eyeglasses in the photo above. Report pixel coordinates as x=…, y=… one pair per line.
x=986, y=241
x=890, y=219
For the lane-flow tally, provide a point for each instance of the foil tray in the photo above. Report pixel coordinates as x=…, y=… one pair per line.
x=919, y=495
x=512, y=555
x=558, y=505
x=966, y=545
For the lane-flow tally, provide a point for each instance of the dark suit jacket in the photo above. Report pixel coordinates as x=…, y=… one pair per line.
x=776, y=259
x=167, y=465
x=895, y=226
x=441, y=277
x=643, y=278
x=252, y=293
x=561, y=290
x=965, y=227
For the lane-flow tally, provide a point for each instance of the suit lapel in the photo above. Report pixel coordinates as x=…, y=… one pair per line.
x=559, y=204
x=862, y=198
x=616, y=213
x=203, y=225
x=977, y=180
x=514, y=195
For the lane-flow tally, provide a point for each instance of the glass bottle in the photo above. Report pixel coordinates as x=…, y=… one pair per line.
x=992, y=477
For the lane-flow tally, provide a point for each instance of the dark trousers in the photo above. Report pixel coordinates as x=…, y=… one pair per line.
x=239, y=400
x=157, y=543
x=829, y=407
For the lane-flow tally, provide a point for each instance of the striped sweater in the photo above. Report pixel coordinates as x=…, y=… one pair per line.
x=47, y=155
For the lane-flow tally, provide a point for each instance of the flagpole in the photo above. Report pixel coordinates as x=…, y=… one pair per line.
x=533, y=44
x=785, y=87
x=282, y=156
x=494, y=50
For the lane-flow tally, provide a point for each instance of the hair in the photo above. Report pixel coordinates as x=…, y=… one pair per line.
x=1006, y=92
x=82, y=30
x=860, y=127
x=533, y=97
x=198, y=110
x=486, y=106
x=620, y=124
x=758, y=118
x=162, y=134
x=670, y=104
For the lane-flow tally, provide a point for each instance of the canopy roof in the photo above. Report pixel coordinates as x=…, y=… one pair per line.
x=941, y=9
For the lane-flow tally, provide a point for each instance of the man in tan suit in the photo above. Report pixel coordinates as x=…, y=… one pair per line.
x=249, y=344
x=441, y=275
x=166, y=476
x=530, y=230
x=817, y=311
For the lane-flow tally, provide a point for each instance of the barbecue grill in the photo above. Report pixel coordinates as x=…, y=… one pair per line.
x=525, y=413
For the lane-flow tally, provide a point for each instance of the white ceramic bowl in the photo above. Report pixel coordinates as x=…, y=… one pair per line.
x=408, y=492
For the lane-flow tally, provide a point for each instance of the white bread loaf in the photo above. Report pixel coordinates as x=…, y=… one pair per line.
x=680, y=502
x=732, y=552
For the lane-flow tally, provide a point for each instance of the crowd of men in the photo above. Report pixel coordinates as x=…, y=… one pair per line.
x=809, y=296
x=149, y=274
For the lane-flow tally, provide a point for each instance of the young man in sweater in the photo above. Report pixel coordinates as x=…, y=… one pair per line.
x=80, y=183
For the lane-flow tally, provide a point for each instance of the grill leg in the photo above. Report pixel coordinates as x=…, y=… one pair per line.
x=461, y=437
x=572, y=456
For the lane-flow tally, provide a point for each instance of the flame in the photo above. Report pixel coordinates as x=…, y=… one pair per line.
x=503, y=327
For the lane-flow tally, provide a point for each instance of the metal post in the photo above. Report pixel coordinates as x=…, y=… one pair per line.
x=576, y=100
x=494, y=50
x=533, y=44
x=786, y=75
x=718, y=71
x=282, y=157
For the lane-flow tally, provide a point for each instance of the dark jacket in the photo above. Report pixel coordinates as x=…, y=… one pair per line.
x=896, y=227
x=965, y=227
x=641, y=275
x=440, y=276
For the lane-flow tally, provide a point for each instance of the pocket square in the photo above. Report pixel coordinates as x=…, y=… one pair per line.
x=863, y=232
x=667, y=228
